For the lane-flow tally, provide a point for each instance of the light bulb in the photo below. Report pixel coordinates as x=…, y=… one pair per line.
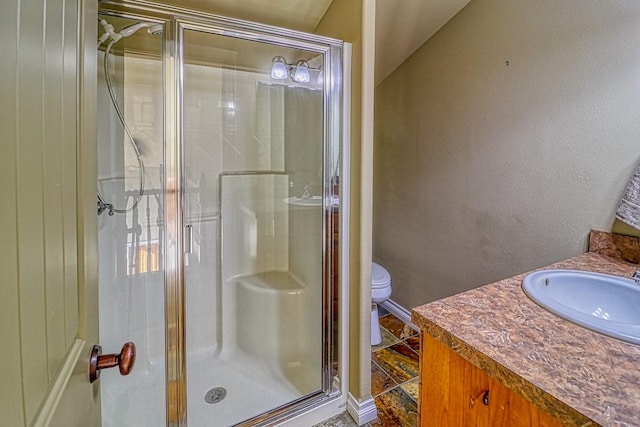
x=301, y=73
x=279, y=69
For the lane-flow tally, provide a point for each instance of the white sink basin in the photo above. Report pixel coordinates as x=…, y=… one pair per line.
x=603, y=303
x=301, y=201
x=311, y=201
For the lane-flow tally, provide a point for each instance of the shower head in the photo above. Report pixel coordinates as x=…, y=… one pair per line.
x=155, y=29
x=152, y=28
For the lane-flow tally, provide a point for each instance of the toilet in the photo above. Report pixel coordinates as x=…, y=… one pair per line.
x=380, y=292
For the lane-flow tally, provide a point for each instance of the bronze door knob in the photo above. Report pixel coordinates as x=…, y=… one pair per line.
x=124, y=361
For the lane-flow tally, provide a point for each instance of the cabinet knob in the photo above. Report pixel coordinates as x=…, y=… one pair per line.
x=485, y=397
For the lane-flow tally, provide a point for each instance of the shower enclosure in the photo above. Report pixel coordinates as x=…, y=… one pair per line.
x=219, y=202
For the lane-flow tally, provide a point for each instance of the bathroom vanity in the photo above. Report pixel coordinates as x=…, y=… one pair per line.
x=460, y=394
x=492, y=357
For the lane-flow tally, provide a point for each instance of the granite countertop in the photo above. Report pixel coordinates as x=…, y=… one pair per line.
x=579, y=376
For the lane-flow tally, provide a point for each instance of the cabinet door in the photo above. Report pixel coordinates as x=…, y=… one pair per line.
x=455, y=393
x=451, y=389
x=509, y=409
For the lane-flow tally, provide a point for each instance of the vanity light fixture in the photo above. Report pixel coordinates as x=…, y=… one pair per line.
x=299, y=72
x=279, y=69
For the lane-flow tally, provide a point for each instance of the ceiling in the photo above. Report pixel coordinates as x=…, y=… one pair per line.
x=402, y=26
x=302, y=15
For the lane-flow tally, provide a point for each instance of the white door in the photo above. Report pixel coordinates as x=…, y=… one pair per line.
x=48, y=251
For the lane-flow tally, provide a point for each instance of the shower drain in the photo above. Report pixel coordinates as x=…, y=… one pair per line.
x=215, y=395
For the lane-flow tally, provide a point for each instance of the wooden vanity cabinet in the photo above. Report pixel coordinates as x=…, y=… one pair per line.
x=455, y=393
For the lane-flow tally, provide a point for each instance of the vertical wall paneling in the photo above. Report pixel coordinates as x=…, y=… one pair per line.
x=11, y=390
x=52, y=198
x=38, y=220
x=69, y=170
x=30, y=203
x=72, y=401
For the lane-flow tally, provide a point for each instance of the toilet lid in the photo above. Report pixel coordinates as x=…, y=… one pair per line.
x=380, y=277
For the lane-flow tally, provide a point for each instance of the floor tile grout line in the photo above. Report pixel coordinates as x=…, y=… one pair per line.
x=399, y=339
x=407, y=381
x=393, y=388
x=410, y=348
x=391, y=345
x=391, y=375
x=383, y=370
x=387, y=391
x=386, y=346
x=387, y=374
x=396, y=386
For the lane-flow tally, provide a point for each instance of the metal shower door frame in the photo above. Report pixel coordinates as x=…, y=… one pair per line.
x=331, y=49
x=176, y=20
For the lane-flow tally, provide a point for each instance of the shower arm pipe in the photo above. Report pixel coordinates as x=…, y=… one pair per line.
x=102, y=204
x=108, y=31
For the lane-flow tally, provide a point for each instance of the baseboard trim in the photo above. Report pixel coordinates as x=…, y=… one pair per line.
x=361, y=412
x=400, y=312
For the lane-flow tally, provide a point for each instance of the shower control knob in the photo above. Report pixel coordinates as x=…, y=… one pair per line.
x=124, y=361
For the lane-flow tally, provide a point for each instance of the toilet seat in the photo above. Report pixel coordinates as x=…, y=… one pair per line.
x=380, y=277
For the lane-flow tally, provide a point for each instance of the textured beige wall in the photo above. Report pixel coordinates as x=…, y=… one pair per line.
x=503, y=140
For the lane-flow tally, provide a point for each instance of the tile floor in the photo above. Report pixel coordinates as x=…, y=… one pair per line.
x=394, y=377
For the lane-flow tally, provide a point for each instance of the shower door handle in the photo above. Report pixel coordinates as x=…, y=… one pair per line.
x=124, y=361
x=188, y=239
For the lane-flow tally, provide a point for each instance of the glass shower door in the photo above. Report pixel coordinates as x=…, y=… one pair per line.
x=254, y=216
x=131, y=239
